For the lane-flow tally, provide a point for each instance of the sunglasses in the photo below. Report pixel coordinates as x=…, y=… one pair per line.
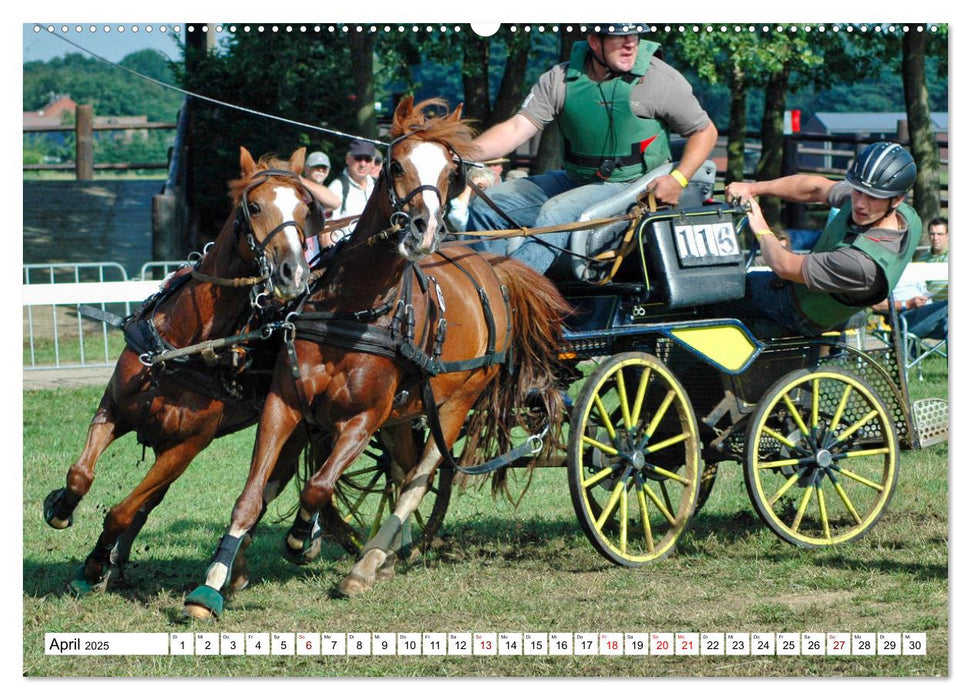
x=363, y=158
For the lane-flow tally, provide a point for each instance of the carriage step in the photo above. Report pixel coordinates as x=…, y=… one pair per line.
x=930, y=421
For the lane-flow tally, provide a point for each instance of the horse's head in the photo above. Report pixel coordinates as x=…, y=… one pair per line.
x=274, y=208
x=423, y=172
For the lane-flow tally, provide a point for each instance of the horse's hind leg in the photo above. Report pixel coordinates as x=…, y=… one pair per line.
x=379, y=554
x=95, y=573
x=60, y=504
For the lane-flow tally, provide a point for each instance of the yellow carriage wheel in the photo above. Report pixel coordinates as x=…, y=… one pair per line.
x=821, y=457
x=367, y=493
x=633, y=459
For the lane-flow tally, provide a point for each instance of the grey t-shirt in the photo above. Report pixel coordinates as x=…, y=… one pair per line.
x=848, y=271
x=662, y=93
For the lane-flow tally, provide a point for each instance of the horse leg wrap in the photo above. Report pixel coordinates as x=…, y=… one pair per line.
x=93, y=575
x=226, y=551
x=388, y=538
x=208, y=598
x=308, y=534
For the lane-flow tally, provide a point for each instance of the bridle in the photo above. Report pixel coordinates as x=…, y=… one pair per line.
x=399, y=214
x=262, y=284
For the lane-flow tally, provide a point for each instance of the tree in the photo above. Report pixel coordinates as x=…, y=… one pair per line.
x=923, y=140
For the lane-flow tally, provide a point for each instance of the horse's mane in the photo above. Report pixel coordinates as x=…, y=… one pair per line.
x=458, y=133
x=267, y=162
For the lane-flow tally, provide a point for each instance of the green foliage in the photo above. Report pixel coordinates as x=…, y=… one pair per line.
x=109, y=90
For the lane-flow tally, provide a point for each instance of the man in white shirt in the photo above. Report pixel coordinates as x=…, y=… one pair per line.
x=354, y=185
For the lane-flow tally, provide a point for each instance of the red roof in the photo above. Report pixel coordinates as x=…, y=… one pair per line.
x=52, y=114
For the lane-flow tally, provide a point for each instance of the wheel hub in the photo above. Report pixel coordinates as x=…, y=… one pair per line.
x=824, y=458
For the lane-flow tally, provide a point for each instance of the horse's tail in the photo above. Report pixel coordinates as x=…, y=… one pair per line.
x=525, y=393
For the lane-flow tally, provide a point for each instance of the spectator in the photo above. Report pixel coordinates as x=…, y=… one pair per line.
x=937, y=232
x=378, y=164
x=496, y=165
x=857, y=260
x=317, y=167
x=615, y=102
x=923, y=305
x=348, y=192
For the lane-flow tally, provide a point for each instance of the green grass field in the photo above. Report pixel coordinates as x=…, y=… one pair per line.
x=496, y=569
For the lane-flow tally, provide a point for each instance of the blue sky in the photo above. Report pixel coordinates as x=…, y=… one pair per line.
x=112, y=44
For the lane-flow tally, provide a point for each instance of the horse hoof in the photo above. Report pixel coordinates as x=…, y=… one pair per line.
x=353, y=585
x=204, y=603
x=197, y=612
x=302, y=556
x=82, y=586
x=50, y=511
x=386, y=572
x=238, y=584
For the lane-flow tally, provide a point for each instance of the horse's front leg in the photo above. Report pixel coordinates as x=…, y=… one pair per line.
x=277, y=424
x=169, y=465
x=316, y=500
x=60, y=504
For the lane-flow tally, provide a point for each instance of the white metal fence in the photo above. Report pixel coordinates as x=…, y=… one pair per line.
x=55, y=335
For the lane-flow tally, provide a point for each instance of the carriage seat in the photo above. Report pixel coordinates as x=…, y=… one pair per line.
x=589, y=243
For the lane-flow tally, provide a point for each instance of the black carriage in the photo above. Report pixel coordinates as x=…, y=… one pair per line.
x=668, y=384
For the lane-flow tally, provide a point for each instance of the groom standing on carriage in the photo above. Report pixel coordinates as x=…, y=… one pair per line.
x=615, y=103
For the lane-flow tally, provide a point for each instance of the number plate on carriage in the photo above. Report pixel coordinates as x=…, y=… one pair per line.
x=706, y=244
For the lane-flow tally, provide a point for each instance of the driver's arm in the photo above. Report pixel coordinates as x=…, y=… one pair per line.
x=504, y=137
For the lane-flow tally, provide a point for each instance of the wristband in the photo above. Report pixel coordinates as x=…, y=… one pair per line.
x=763, y=232
x=681, y=179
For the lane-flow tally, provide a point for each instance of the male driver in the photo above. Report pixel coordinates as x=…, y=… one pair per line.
x=615, y=102
x=857, y=260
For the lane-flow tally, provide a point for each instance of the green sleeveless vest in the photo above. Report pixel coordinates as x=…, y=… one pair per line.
x=822, y=308
x=597, y=122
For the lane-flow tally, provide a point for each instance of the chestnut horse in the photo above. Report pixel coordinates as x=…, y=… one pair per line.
x=256, y=261
x=394, y=322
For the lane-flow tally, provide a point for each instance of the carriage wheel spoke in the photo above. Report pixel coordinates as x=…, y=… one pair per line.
x=823, y=516
x=667, y=497
x=641, y=393
x=856, y=426
x=657, y=502
x=672, y=475
x=838, y=415
x=612, y=503
x=605, y=417
x=785, y=487
x=778, y=436
x=646, y=520
x=612, y=451
x=802, y=510
x=622, y=395
x=794, y=413
x=779, y=463
x=598, y=477
x=623, y=521
x=667, y=443
x=659, y=415
x=856, y=477
x=841, y=492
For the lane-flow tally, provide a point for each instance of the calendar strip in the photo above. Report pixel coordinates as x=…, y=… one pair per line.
x=478, y=644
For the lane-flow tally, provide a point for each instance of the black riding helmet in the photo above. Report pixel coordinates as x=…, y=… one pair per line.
x=884, y=170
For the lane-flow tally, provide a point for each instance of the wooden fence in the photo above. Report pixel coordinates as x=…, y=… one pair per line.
x=84, y=128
